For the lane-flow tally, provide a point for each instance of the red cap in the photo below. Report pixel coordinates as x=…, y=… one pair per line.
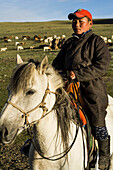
x=80, y=13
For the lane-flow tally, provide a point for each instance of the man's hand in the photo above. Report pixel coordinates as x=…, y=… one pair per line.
x=72, y=75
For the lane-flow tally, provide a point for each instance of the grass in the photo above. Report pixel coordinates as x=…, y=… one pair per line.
x=8, y=58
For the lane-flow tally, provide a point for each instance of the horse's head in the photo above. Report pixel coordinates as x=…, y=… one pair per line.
x=26, y=102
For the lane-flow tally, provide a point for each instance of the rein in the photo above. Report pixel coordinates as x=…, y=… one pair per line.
x=64, y=152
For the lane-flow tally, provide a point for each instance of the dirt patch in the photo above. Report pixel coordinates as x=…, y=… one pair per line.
x=108, y=79
x=12, y=159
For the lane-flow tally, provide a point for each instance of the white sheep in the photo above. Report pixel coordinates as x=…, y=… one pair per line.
x=4, y=49
x=16, y=38
x=109, y=41
x=19, y=48
x=47, y=48
x=17, y=43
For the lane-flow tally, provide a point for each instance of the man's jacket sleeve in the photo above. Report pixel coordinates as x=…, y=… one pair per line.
x=58, y=62
x=99, y=64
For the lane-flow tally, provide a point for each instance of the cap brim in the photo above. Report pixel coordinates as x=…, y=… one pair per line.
x=73, y=16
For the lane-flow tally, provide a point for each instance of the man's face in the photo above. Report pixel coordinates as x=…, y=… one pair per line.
x=81, y=25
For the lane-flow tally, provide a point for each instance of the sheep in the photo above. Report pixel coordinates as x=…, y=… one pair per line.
x=17, y=43
x=25, y=37
x=32, y=47
x=46, y=40
x=37, y=37
x=11, y=36
x=16, y=38
x=19, y=48
x=55, y=43
x=47, y=48
x=7, y=40
x=104, y=38
x=41, y=40
x=3, y=49
x=63, y=36
x=54, y=36
x=50, y=39
x=20, y=43
x=109, y=41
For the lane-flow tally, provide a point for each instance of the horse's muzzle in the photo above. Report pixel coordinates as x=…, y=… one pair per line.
x=6, y=137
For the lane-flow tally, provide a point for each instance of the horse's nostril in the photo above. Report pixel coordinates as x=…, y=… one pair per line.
x=5, y=132
x=0, y=136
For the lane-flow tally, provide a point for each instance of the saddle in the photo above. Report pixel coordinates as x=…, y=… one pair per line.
x=76, y=100
x=73, y=89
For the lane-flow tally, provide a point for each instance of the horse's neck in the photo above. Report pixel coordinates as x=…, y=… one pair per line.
x=45, y=131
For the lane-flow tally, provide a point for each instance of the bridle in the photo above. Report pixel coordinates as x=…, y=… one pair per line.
x=42, y=105
x=45, y=113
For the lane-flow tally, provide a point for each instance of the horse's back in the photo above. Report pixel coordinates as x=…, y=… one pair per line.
x=109, y=120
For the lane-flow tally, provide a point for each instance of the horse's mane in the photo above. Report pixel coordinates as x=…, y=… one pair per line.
x=21, y=76
x=65, y=113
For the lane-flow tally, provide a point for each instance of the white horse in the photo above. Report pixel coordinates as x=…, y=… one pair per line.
x=37, y=98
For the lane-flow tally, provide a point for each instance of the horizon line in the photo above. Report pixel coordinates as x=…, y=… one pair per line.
x=53, y=20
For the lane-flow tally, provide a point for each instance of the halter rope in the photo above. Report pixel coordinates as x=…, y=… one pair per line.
x=40, y=105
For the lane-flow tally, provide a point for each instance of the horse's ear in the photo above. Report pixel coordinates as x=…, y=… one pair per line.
x=18, y=59
x=43, y=65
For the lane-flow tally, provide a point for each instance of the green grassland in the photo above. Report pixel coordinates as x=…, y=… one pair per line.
x=8, y=62
x=8, y=58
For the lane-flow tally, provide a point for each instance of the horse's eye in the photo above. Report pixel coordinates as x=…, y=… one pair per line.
x=30, y=92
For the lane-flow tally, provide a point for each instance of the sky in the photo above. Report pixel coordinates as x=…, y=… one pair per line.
x=49, y=10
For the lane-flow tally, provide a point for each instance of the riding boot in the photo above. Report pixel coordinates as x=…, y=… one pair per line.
x=104, y=153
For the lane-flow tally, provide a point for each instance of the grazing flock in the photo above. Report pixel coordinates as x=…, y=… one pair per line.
x=47, y=43
x=108, y=41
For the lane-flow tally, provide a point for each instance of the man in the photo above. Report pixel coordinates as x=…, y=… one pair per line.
x=86, y=57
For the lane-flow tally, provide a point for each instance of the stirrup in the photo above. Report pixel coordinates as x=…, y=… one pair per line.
x=94, y=154
x=25, y=148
